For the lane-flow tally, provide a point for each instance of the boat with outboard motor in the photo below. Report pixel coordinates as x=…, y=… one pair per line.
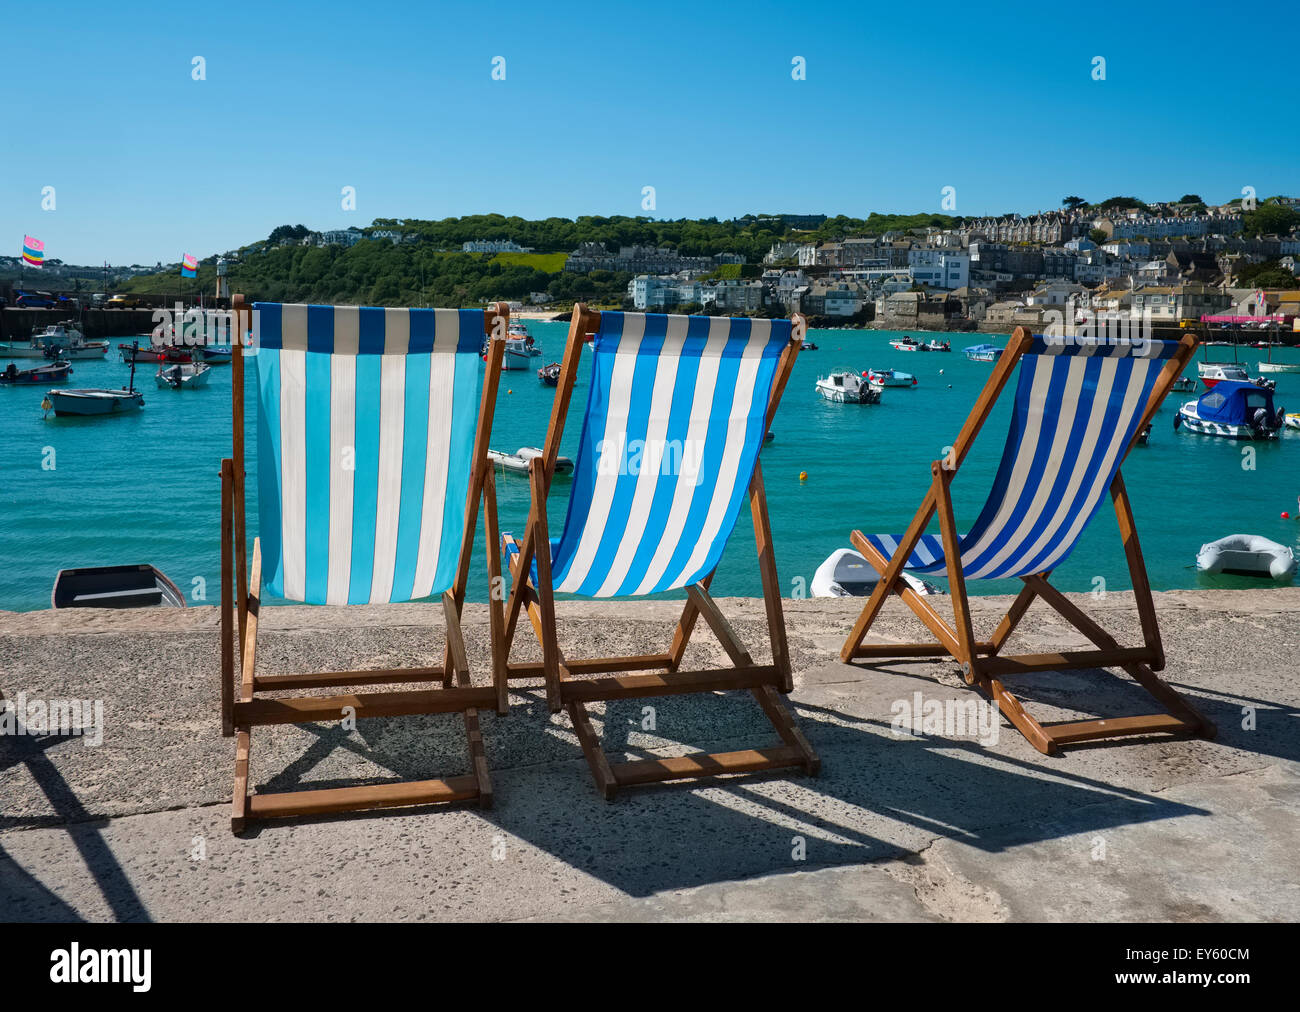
x=1234, y=410
x=849, y=388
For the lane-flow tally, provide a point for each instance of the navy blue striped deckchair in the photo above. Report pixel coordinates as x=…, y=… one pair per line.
x=372, y=437
x=677, y=413
x=1079, y=406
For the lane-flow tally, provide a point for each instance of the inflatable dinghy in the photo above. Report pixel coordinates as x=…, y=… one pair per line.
x=1248, y=554
x=847, y=574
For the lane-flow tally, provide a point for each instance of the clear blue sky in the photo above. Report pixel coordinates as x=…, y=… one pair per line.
x=601, y=99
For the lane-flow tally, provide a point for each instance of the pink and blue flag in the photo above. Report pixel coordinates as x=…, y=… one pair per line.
x=189, y=266
x=33, y=251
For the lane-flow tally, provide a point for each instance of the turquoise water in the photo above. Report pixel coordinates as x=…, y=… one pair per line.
x=145, y=487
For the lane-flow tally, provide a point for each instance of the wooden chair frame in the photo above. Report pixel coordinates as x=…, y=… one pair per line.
x=240, y=600
x=567, y=684
x=983, y=664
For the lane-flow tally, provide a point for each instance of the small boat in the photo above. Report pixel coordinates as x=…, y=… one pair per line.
x=845, y=573
x=216, y=356
x=1248, y=555
x=1291, y=420
x=133, y=353
x=936, y=346
x=51, y=372
x=64, y=341
x=891, y=378
x=521, y=349
x=114, y=587
x=519, y=460
x=183, y=376
x=982, y=352
x=848, y=388
x=1274, y=367
x=769, y=436
x=906, y=343
x=1144, y=434
x=94, y=401
x=1232, y=409
x=13, y=350
x=810, y=346
x=1184, y=385
x=549, y=375
x=1216, y=372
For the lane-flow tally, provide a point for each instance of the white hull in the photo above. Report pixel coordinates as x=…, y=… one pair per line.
x=850, y=393
x=21, y=351
x=191, y=376
x=1248, y=554
x=894, y=378
x=87, y=351
x=1278, y=366
x=1193, y=422
x=1292, y=421
x=94, y=402
x=519, y=360
x=847, y=574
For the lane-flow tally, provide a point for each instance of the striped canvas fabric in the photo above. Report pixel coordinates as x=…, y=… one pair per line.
x=674, y=423
x=366, y=424
x=1077, y=407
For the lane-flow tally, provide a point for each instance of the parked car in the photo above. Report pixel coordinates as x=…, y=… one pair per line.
x=126, y=302
x=34, y=300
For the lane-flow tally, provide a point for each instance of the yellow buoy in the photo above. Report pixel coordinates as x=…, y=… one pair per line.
x=803, y=475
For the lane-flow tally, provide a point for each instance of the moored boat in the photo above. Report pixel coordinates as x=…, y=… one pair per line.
x=982, y=352
x=114, y=587
x=848, y=388
x=1291, y=420
x=50, y=372
x=64, y=341
x=891, y=378
x=518, y=461
x=549, y=375
x=936, y=345
x=92, y=402
x=183, y=375
x=1234, y=410
x=906, y=343
x=845, y=573
x=1247, y=555
x=1184, y=385
x=521, y=349
x=1276, y=367
x=1212, y=373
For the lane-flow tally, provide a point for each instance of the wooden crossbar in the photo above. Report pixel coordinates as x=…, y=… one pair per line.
x=982, y=661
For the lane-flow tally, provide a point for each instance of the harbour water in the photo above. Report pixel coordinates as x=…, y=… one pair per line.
x=144, y=487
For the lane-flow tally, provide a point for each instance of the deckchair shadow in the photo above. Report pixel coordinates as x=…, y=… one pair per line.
x=1079, y=405
x=373, y=428
x=676, y=415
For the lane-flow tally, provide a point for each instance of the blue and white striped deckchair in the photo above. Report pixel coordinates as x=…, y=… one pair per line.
x=676, y=415
x=1079, y=405
x=372, y=435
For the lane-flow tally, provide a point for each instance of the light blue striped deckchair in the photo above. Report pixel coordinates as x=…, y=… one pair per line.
x=1079, y=405
x=372, y=437
x=676, y=416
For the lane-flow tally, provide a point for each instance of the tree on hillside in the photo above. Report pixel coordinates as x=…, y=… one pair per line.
x=1190, y=198
x=1098, y=236
x=1073, y=202
x=1270, y=219
x=1122, y=203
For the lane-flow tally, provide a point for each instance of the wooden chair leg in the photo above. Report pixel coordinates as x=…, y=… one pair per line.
x=239, y=806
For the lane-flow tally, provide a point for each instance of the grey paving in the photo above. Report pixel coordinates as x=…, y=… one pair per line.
x=897, y=827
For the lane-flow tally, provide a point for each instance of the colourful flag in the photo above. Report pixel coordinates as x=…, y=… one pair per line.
x=33, y=251
x=189, y=266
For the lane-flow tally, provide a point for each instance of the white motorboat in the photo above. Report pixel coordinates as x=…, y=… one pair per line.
x=521, y=349
x=183, y=375
x=848, y=388
x=519, y=460
x=1234, y=410
x=1249, y=555
x=1291, y=420
x=1216, y=372
x=64, y=341
x=845, y=573
x=12, y=350
x=906, y=343
x=92, y=402
x=936, y=345
x=891, y=378
x=1184, y=384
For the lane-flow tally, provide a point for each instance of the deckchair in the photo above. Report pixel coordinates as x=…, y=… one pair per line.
x=677, y=412
x=1079, y=405
x=372, y=439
